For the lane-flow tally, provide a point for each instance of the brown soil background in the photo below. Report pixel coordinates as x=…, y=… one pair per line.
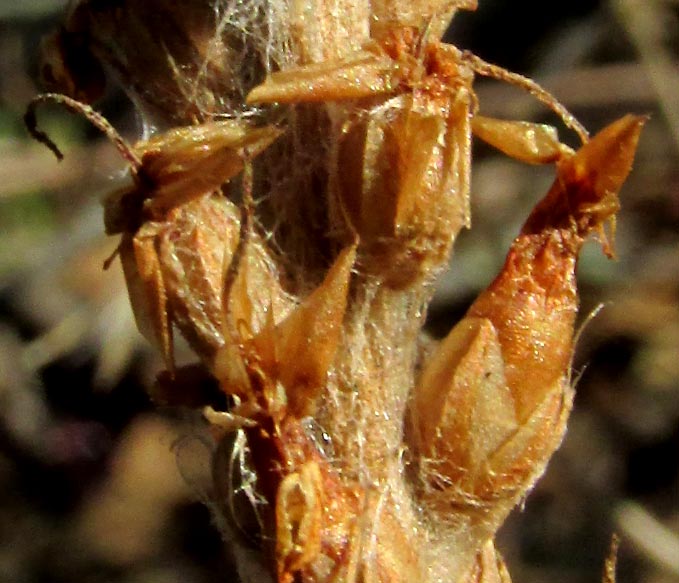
x=97, y=486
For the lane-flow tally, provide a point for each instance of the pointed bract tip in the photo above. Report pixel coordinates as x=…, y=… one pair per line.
x=607, y=158
x=585, y=193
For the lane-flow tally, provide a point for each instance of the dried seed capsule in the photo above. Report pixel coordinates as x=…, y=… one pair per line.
x=283, y=366
x=492, y=401
x=399, y=177
x=173, y=204
x=168, y=278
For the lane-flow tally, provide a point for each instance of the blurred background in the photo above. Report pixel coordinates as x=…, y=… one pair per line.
x=98, y=486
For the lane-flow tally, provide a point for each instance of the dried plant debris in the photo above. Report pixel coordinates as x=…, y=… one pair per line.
x=290, y=221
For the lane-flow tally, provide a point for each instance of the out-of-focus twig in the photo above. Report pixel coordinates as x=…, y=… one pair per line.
x=619, y=83
x=646, y=23
x=658, y=542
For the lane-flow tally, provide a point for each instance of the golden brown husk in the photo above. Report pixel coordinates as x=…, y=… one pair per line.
x=376, y=464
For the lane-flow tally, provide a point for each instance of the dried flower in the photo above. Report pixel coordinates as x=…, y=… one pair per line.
x=302, y=288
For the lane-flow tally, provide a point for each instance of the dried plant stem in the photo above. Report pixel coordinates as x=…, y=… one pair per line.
x=375, y=460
